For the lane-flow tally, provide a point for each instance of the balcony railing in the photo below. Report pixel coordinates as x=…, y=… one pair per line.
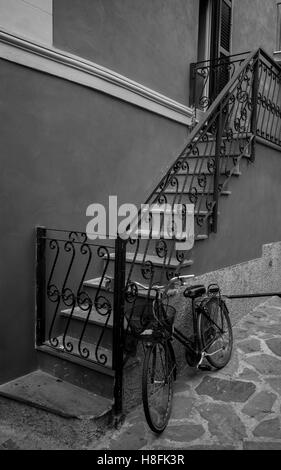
x=269, y=99
x=209, y=77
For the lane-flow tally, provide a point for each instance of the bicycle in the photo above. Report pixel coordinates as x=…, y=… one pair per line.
x=212, y=339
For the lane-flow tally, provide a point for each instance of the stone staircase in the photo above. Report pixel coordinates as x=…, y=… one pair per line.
x=98, y=337
x=79, y=347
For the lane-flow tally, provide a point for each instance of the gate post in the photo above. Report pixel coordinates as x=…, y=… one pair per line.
x=40, y=309
x=118, y=322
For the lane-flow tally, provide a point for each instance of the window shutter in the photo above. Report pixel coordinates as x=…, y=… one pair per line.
x=221, y=43
x=225, y=27
x=221, y=28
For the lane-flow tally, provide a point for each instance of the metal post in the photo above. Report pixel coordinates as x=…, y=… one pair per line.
x=118, y=321
x=217, y=169
x=40, y=285
x=255, y=91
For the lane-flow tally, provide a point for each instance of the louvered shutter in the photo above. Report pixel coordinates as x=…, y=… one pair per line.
x=221, y=42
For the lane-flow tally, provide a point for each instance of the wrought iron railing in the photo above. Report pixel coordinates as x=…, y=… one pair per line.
x=75, y=300
x=66, y=260
x=209, y=77
x=201, y=173
x=269, y=100
x=248, y=106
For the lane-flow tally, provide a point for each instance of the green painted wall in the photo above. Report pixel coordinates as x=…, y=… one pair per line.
x=152, y=42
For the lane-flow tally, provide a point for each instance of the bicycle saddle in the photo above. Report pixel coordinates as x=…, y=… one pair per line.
x=195, y=291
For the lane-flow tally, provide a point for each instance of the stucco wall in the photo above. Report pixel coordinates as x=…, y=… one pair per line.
x=249, y=217
x=64, y=147
x=254, y=25
x=152, y=42
x=32, y=19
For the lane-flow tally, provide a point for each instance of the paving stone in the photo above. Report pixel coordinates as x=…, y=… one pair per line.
x=274, y=329
x=248, y=374
x=275, y=345
x=275, y=383
x=259, y=314
x=249, y=345
x=181, y=386
x=265, y=364
x=135, y=416
x=260, y=405
x=232, y=367
x=131, y=438
x=209, y=447
x=183, y=432
x=249, y=324
x=269, y=428
x=273, y=312
x=9, y=445
x=256, y=445
x=274, y=301
x=226, y=390
x=223, y=422
x=170, y=446
x=240, y=333
x=182, y=407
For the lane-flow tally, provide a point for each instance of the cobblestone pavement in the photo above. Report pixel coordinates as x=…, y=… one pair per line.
x=235, y=408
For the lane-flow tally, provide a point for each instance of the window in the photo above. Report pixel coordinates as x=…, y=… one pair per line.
x=215, y=25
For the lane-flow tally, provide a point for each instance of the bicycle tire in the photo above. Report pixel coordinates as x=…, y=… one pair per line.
x=215, y=332
x=158, y=369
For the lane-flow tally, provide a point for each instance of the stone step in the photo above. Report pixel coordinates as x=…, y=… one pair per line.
x=101, y=356
x=156, y=235
x=205, y=163
x=88, y=375
x=98, y=325
x=146, y=234
x=202, y=237
x=158, y=209
x=95, y=284
x=223, y=172
x=200, y=192
x=155, y=260
x=95, y=317
x=41, y=405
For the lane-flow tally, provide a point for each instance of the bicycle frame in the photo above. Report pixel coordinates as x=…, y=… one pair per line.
x=192, y=348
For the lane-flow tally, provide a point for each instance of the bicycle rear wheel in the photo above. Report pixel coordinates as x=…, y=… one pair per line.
x=215, y=332
x=157, y=385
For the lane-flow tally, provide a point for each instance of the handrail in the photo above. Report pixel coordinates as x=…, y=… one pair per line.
x=269, y=58
x=218, y=59
x=208, y=114
x=245, y=108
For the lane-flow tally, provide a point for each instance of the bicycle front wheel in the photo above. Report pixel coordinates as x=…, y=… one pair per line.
x=215, y=332
x=157, y=385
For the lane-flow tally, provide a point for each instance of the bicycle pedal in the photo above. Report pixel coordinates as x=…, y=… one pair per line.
x=204, y=367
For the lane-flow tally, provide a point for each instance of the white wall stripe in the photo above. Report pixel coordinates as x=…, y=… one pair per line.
x=75, y=69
